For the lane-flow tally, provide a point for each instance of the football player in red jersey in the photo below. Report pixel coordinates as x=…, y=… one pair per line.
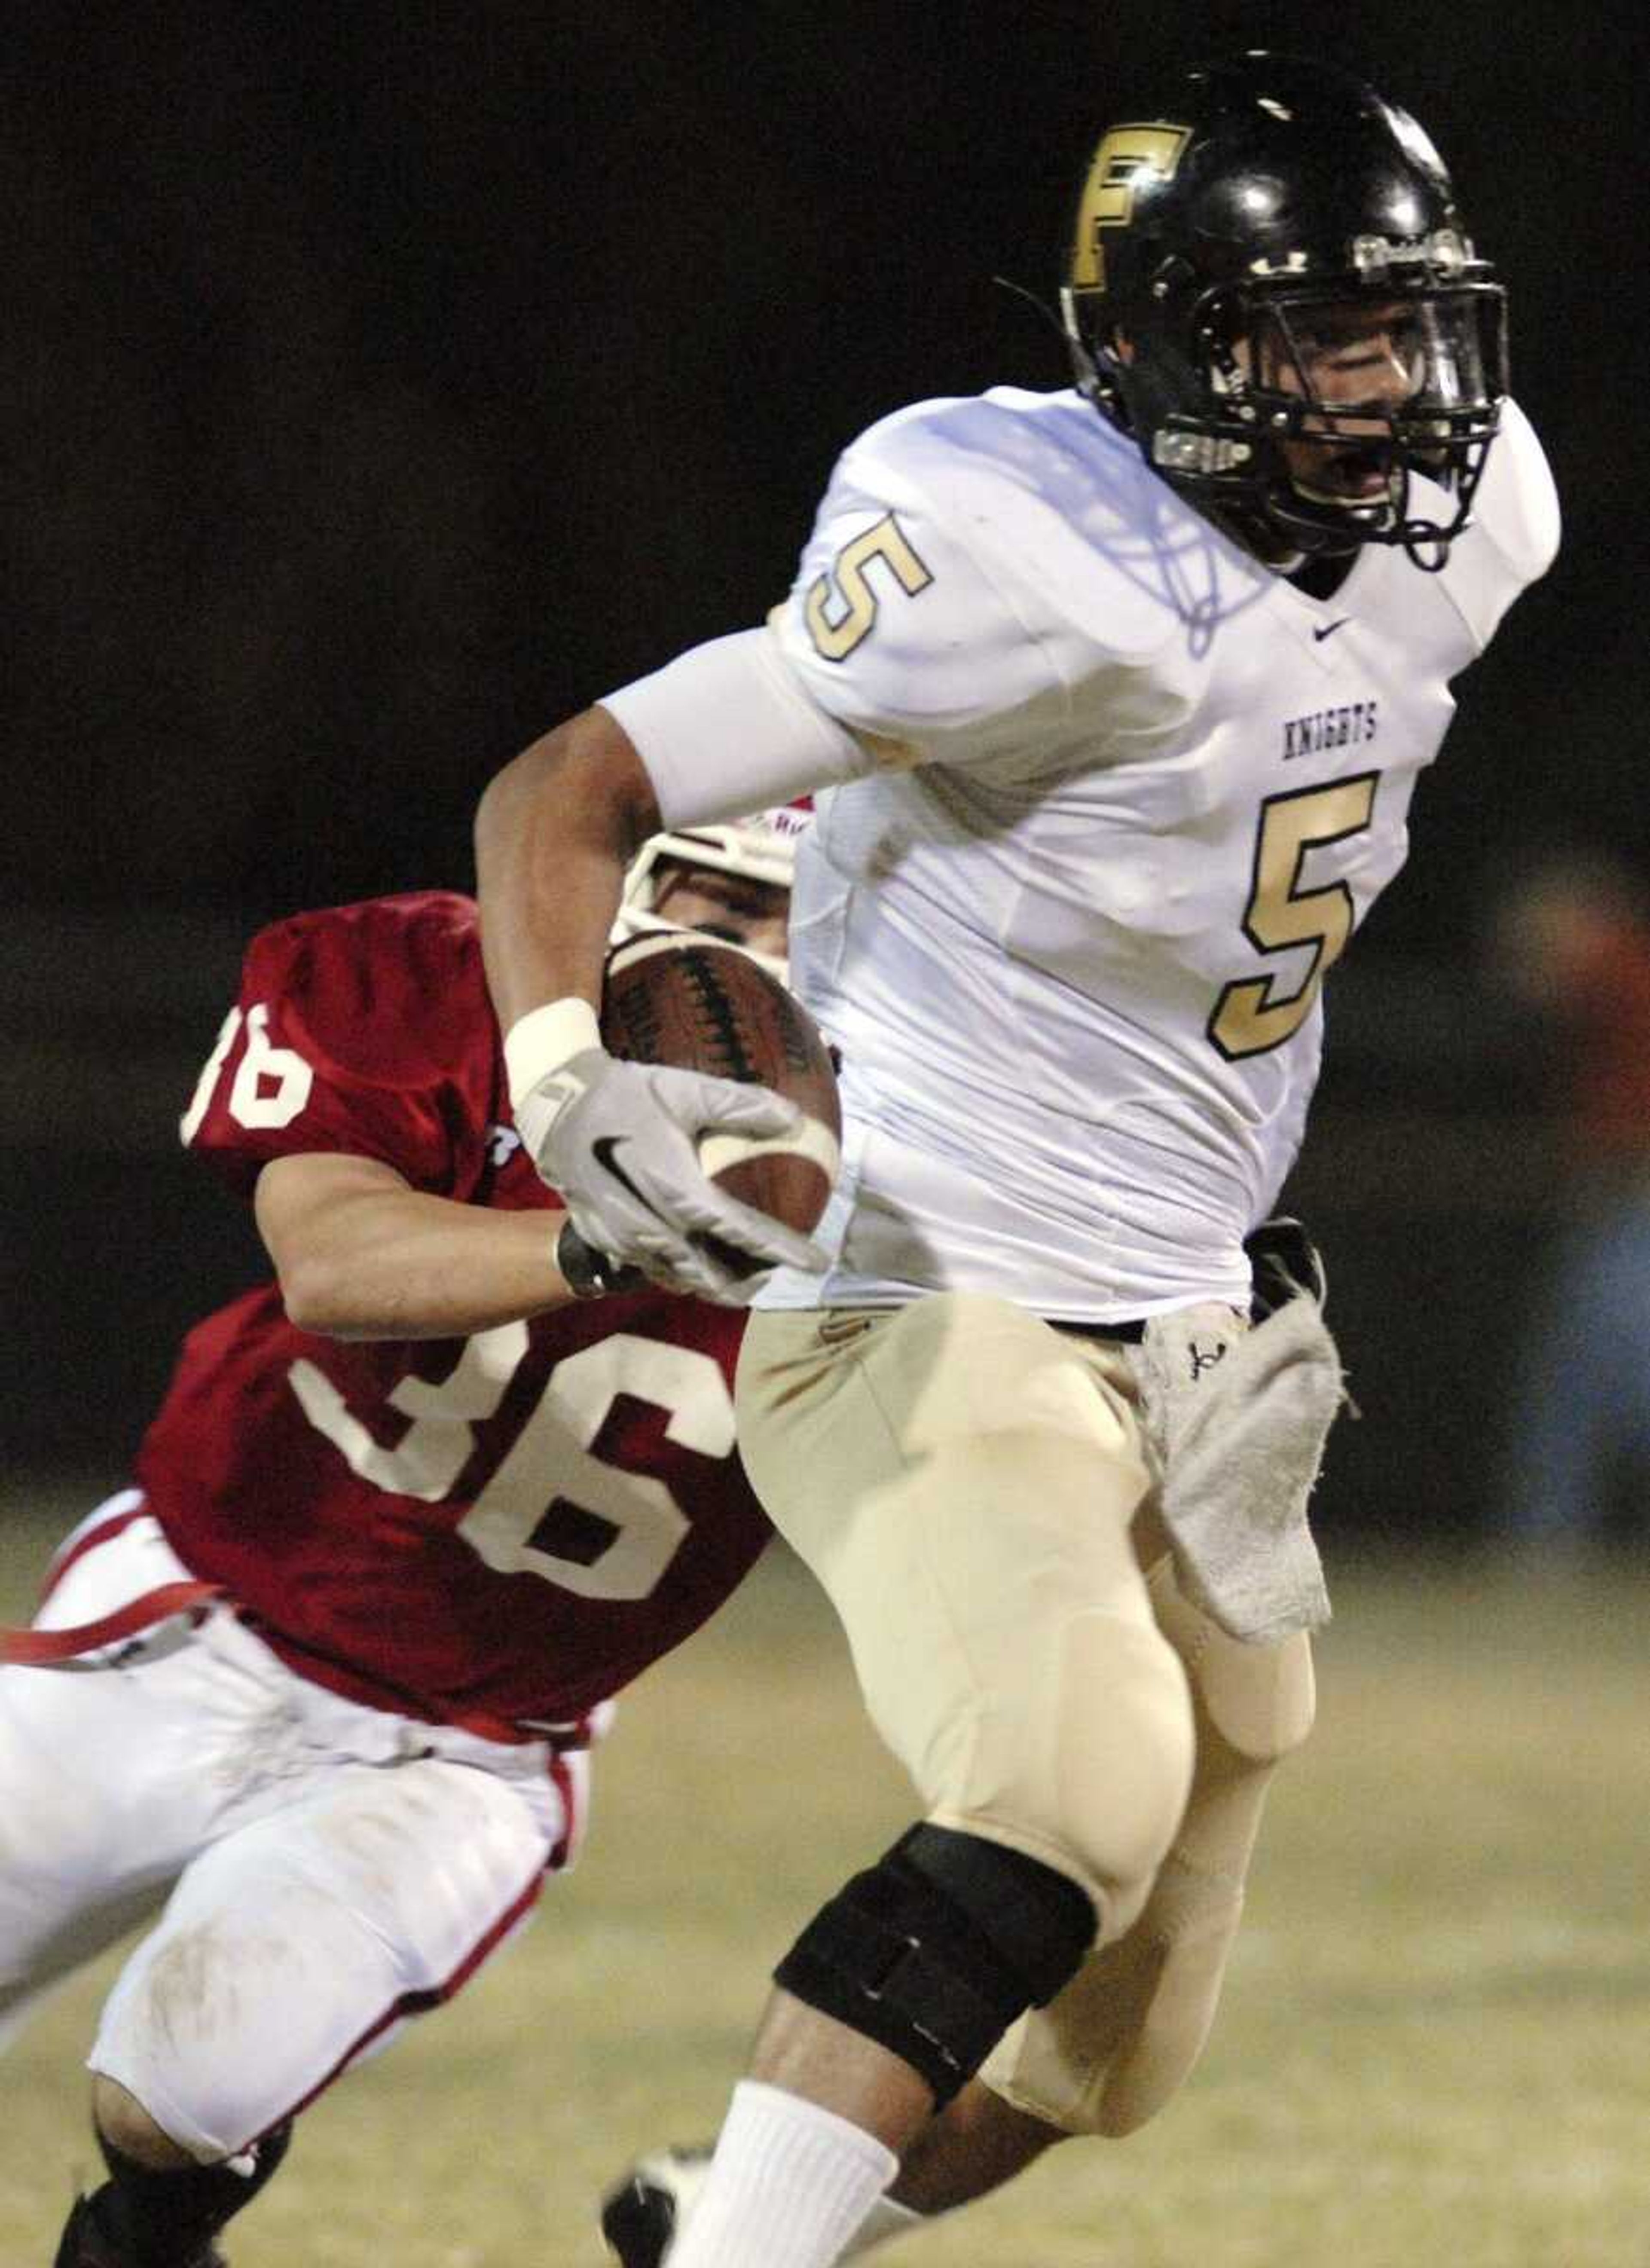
x=407, y=1518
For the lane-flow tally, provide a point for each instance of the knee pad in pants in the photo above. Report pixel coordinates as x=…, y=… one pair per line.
x=1067, y=1733
x=1125, y=2033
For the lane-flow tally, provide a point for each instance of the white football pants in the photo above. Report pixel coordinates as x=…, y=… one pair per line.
x=321, y=1871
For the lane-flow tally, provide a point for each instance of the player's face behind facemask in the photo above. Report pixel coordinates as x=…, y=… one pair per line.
x=731, y=881
x=1351, y=388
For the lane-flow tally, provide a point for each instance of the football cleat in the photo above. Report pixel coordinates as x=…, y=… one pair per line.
x=642, y=2212
x=84, y=2244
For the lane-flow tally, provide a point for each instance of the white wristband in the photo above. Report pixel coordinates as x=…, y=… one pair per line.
x=546, y=1038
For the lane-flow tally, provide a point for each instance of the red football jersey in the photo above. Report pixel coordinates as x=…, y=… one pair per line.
x=503, y=1528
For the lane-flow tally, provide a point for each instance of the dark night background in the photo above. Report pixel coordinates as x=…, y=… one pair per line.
x=382, y=384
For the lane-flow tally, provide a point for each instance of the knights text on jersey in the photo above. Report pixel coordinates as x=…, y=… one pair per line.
x=1122, y=796
x=510, y=1526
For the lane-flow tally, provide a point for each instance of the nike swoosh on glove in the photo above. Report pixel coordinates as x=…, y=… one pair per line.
x=619, y=1141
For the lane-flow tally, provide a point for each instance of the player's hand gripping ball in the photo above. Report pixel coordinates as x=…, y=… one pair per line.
x=697, y=1003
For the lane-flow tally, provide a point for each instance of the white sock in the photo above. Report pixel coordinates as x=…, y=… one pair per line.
x=788, y=2187
x=886, y=2219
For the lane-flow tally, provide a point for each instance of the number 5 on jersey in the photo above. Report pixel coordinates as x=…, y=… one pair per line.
x=842, y=604
x=1250, y=1017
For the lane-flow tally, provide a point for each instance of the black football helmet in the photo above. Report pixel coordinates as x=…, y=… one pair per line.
x=1279, y=221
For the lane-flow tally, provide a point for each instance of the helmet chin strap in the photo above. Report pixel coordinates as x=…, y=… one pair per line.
x=1319, y=536
x=1423, y=541
x=1253, y=533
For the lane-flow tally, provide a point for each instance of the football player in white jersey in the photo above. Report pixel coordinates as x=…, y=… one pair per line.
x=1112, y=700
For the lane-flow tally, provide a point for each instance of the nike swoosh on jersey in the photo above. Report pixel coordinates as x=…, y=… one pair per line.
x=1329, y=628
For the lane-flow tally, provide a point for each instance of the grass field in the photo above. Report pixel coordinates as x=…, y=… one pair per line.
x=1435, y=2046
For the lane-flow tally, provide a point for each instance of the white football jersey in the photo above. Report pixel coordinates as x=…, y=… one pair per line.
x=1104, y=799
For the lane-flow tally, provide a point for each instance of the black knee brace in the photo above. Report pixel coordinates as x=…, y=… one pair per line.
x=935, y=1950
x=146, y=2219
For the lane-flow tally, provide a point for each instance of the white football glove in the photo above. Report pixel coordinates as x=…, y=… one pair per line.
x=619, y=1141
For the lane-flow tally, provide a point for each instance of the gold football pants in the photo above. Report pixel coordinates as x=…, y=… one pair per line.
x=971, y=1487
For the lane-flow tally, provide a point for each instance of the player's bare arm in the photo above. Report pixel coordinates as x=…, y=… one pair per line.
x=556, y=830
x=361, y=1255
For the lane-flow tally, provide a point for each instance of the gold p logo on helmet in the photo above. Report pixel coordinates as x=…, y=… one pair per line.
x=1107, y=198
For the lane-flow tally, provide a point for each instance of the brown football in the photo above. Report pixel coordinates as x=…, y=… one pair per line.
x=703, y=1005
